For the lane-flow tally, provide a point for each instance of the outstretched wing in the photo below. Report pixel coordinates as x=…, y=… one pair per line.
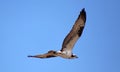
x=46, y=55
x=75, y=33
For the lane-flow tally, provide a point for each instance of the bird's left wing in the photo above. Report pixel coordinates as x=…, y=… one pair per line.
x=50, y=54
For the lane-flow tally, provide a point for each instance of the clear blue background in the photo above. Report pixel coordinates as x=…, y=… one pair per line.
x=30, y=27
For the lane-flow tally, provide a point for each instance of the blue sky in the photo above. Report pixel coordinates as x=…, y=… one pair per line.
x=29, y=27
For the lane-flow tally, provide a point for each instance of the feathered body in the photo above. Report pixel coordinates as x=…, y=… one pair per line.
x=69, y=41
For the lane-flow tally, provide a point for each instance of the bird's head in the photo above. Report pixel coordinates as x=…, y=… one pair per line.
x=74, y=56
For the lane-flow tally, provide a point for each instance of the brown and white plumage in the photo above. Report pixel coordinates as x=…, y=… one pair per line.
x=69, y=41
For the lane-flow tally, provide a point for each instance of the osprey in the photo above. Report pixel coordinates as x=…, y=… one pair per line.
x=69, y=41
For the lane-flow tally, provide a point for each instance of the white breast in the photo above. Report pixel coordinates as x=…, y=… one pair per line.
x=67, y=52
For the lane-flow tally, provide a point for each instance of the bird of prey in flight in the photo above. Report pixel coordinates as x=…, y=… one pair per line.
x=69, y=41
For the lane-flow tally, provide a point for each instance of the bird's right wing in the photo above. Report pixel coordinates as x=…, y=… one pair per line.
x=75, y=33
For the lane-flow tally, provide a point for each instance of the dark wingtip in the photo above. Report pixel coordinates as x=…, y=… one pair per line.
x=30, y=56
x=83, y=13
x=83, y=9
